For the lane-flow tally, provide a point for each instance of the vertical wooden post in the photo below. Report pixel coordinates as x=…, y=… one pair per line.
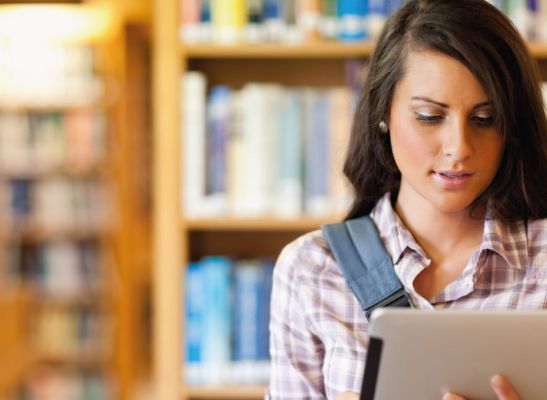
x=166, y=215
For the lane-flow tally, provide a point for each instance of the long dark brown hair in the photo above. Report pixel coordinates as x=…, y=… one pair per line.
x=478, y=35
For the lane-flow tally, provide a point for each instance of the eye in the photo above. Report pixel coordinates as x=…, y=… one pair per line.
x=428, y=119
x=483, y=120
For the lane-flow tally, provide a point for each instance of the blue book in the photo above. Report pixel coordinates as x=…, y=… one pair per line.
x=316, y=191
x=194, y=303
x=217, y=136
x=20, y=202
x=246, y=301
x=391, y=6
x=265, y=290
x=376, y=18
x=352, y=16
x=289, y=185
x=216, y=322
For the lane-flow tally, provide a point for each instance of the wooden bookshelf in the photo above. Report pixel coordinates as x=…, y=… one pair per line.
x=302, y=224
x=121, y=61
x=225, y=393
x=179, y=239
x=318, y=49
x=14, y=368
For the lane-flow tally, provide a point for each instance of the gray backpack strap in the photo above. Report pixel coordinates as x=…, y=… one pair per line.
x=367, y=267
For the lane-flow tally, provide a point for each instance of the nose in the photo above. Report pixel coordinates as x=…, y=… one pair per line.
x=457, y=141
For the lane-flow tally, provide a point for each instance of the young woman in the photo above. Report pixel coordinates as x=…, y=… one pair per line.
x=448, y=155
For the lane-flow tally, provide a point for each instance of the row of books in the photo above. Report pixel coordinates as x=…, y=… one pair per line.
x=70, y=334
x=54, y=205
x=40, y=142
x=58, y=270
x=264, y=150
x=529, y=16
x=63, y=76
x=282, y=20
x=227, y=307
x=46, y=383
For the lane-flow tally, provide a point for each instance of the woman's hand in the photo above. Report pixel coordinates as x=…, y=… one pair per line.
x=348, y=396
x=499, y=384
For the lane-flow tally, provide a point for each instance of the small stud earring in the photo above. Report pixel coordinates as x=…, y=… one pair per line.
x=383, y=127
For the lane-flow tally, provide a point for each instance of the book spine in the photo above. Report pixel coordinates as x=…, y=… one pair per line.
x=308, y=18
x=255, y=130
x=246, y=303
x=289, y=191
x=228, y=19
x=317, y=162
x=518, y=12
x=376, y=17
x=216, y=334
x=352, y=15
x=274, y=22
x=217, y=137
x=254, y=30
x=340, y=107
x=541, y=21
x=194, y=308
x=263, y=334
x=205, y=21
x=328, y=25
x=189, y=20
x=392, y=6
x=193, y=142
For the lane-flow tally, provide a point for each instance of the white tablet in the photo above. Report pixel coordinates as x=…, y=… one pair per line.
x=418, y=354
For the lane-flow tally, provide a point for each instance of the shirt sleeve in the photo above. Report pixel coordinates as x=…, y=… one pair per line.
x=296, y=352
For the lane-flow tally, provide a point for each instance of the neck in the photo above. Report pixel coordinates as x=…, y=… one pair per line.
x=439, y=233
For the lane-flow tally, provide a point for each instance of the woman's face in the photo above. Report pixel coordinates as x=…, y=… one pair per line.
x=443, y=135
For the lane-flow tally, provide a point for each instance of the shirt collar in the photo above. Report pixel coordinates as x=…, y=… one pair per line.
x=396, y=237
x=509, y=240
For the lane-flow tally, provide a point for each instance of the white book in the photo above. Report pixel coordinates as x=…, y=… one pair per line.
x=193, y=132
x=236, y=162
x=259, y=128
x=63, y=274
x=541, y=21
x=15, y=143
x=53, y=205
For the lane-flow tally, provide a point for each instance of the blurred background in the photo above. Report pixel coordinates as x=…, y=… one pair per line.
x=155, y=157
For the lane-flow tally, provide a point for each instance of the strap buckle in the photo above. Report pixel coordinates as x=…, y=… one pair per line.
x=397, y=299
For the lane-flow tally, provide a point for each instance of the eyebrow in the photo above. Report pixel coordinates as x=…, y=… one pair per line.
x=443, y=105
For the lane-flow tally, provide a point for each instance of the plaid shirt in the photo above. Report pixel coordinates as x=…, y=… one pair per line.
x=318, y=331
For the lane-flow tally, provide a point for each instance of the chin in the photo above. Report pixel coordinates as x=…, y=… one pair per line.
x=452, y=204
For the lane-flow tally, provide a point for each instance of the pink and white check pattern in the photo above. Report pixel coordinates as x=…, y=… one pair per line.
x=318, y=331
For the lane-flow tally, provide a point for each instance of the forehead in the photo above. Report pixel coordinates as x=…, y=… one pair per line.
x=440, y=77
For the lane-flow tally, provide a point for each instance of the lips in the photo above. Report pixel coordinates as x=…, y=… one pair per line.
x=452, y=179
x=454, y=174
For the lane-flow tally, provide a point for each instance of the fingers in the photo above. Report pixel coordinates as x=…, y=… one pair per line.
x=348, y=396
x=452, y=396
x=503, y=389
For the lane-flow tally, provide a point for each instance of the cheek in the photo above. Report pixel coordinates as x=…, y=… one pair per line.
x=492, y=153
x=410, y=149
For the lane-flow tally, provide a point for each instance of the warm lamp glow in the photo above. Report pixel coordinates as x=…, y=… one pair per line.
x=56, y=23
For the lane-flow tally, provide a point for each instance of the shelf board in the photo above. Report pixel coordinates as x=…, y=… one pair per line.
x=37, y=235
x=83, y=358
x=257, y=224
x=318, y=49
x=538, y=50
x=242, y=392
